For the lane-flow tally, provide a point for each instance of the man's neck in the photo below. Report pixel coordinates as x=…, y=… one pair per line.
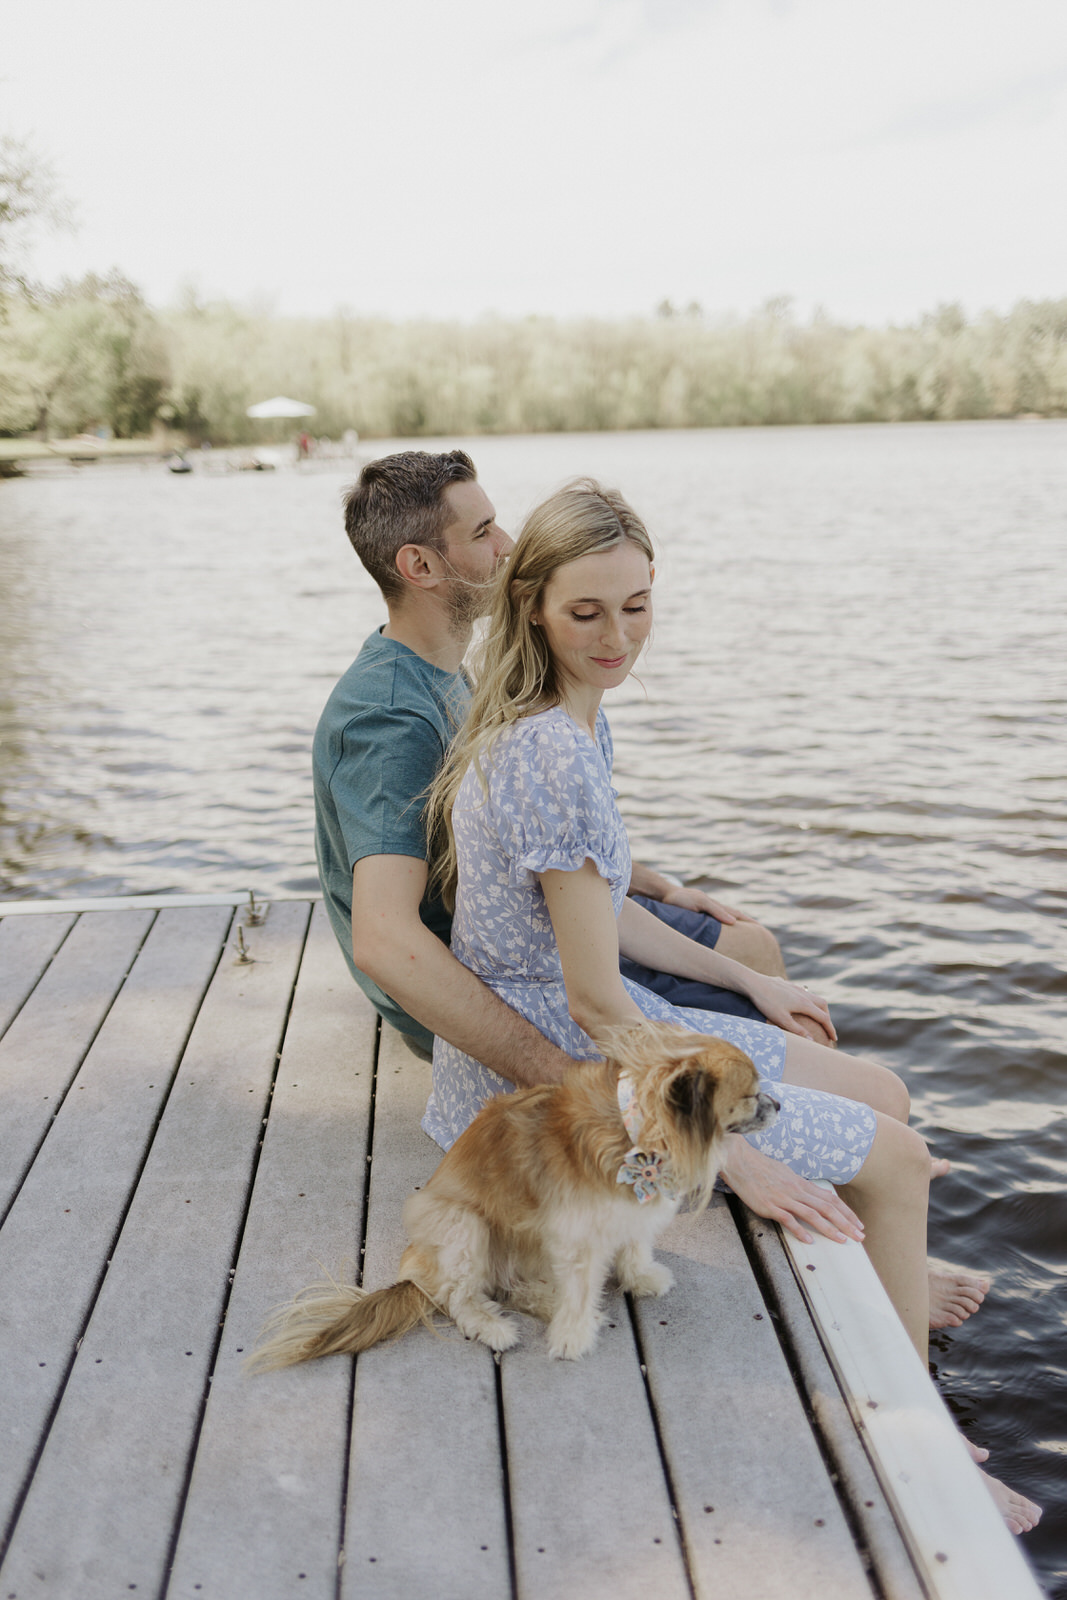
x=431, y=633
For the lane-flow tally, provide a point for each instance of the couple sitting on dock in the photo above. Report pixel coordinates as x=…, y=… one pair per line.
x=501, y=921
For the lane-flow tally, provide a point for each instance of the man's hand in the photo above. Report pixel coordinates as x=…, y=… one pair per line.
x=773, y=1190
x=690, y=899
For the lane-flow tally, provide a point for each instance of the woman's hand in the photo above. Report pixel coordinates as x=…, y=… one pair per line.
x=689, y=899
x=773, y=1190
x=786, y=1004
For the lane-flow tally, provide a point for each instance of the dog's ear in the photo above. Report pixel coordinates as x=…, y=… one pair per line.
x=692, y=1095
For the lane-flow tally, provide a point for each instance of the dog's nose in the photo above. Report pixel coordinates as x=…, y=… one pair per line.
x=767, y=1108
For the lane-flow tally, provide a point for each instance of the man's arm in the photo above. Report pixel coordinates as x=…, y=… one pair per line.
x=654, y=886
x=392, y=945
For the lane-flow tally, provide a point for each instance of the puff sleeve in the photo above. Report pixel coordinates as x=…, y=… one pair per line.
x=551, y=803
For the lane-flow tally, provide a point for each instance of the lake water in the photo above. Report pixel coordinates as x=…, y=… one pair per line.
x=851, y=722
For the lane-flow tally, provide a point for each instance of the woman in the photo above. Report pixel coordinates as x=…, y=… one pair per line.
x=534, y=855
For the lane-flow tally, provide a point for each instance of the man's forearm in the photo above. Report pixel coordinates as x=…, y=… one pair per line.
x=645, y=880
x=422, y=975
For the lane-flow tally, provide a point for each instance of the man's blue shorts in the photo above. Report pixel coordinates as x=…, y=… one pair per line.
x=684, y=991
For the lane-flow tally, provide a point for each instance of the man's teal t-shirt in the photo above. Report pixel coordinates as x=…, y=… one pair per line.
x=378, y=745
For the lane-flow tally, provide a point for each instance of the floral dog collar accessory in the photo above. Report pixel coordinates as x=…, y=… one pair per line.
x=647, y=1172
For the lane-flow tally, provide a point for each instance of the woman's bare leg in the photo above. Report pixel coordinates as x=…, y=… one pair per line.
x=889, y=1194
x=812, y=1066
x=954, y=1293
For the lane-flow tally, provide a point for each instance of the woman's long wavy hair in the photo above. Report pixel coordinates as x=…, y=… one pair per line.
x=514, y=673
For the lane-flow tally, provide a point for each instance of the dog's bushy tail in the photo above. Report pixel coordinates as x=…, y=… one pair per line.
x=331, y=1319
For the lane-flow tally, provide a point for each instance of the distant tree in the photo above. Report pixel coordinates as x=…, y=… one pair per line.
x=29, y=198
x=84, y=354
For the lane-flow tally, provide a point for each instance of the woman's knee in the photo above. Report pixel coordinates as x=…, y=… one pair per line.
x=899, y=1157
x=893, y=1095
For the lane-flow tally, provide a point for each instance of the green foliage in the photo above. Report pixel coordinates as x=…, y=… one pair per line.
x=29, y=197
x=93, y=352
x=673, y=369
x=84, y=355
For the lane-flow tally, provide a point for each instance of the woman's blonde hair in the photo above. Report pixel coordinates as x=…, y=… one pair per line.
x=514, y=673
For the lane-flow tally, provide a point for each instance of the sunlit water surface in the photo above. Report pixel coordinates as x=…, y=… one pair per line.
x=850, y=721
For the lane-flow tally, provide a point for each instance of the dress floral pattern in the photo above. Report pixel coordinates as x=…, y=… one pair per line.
x=547, y=802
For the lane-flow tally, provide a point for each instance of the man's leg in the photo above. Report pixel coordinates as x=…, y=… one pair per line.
x=747, y=942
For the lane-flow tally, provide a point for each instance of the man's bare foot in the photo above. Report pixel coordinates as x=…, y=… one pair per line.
x=955, y=1294
x=939, y=1165
x=1018, y=1512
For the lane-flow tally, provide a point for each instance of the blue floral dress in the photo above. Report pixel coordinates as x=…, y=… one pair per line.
x=548, y=803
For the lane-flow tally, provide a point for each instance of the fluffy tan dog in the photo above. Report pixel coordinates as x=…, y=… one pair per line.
x=546, y=1191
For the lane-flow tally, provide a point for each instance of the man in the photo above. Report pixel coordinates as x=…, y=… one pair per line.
x=427, y=533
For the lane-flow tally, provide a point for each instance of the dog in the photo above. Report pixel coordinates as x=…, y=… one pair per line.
x=543, y=1194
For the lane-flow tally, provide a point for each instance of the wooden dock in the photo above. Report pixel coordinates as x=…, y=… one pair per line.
x=189, y=1137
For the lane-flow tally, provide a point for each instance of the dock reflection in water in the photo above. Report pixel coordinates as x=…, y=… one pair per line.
x=850, y=721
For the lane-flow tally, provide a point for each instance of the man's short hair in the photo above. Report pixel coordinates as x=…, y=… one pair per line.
x=399, y=500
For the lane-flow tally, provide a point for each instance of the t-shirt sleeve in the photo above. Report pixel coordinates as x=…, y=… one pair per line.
x=552, y=806
x=388, y=760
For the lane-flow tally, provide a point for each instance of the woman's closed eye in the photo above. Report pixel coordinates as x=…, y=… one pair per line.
x=591, y=616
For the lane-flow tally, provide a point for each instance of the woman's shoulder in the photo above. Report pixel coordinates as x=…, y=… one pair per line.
x=541, y=734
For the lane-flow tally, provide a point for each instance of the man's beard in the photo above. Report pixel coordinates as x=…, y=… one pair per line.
x=468, y=600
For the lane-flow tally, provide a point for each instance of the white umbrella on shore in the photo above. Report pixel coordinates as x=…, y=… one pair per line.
x=281, y=406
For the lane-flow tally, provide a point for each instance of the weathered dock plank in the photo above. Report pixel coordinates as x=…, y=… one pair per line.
x=961, y=1548
x=24, y=955
x=62, y=1226
x=426, y=1512
x=591, y=1509
x=758, y=1511
x=263, y=1514
x=842, y=1443
x=46, y=1043
x=113, y=1469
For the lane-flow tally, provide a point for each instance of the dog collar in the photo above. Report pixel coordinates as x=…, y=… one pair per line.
x=647, y=1172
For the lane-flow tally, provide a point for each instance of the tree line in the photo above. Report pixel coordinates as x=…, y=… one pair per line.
x=93, y=354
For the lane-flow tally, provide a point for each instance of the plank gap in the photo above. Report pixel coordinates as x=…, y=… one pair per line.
x=29, y=993
x=786, y=1336
x=505, y=1476
x=361, y=1256
x=35, y=1152
x=9, y=1532
x=679, y=1530
x=198, y=1425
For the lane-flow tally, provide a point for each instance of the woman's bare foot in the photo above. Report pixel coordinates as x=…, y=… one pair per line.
x=977, y=1452
x=955, y=1294
x=1018, y=1512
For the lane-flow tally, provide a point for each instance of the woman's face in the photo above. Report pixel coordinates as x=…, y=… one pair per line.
x=596, y=614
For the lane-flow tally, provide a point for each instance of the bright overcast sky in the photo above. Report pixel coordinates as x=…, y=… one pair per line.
x=451, y=157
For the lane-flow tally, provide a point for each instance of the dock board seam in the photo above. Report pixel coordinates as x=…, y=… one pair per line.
x=61, y=1102
x=346, y=1466
x=668, y=1477
x=787, y=1344
x=7, y=1534
x=198, y=1426
x=505, y=1477
x=39, y=978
